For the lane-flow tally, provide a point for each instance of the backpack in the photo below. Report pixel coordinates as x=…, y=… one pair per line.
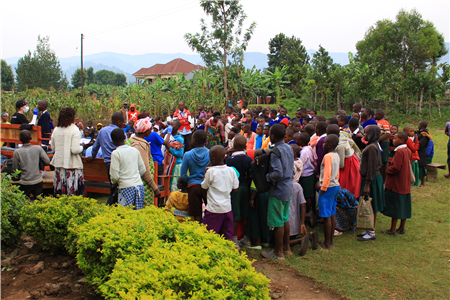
x=261, y=167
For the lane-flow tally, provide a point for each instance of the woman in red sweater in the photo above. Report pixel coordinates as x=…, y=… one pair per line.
x=397, y=191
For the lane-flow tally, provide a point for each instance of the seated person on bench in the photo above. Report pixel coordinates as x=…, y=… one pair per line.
x=26, y=159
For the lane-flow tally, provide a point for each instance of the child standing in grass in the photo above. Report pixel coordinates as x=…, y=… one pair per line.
x=413, y=145
x=220, y=180
x=329, y=187
x=398, y=188
x=321, y=132
x=179, y=201
x=371, y=179
x=447, y=132
x=424, y=137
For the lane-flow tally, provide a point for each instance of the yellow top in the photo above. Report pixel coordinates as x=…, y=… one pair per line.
x=179, y=201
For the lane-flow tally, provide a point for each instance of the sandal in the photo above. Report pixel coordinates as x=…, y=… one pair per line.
x=288, y=253
x=338, y=233
x=271, y=255
x=322, y=245
x=304, y=247
x=390, y=233
x=401, y=231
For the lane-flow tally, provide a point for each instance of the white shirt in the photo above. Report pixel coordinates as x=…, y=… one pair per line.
x=66, y=144
x=127, y=167
x=220, y=182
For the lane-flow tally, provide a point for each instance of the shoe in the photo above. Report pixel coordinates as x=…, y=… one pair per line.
x=362, y=234
x=313, y=220
x=255, y=247
x=237, y=246
x=314, y=238
x=338, y=233
x=368, y=237
x=265, y=245
x=245, y=242
x=304, y=247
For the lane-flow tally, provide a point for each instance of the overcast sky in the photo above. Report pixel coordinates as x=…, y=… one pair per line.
x=158, y=26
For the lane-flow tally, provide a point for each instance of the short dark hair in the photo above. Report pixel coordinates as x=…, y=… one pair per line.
x=353, y=122
x=402, y=135
x=321, y=118
x=333, y=121
x=200, y=136
x=321, y=126
x=333, y=139
x=289, y=132
x=274, y=111
x=278, y=131
x=304, y=138
x=303, y=109
x=343, y=118
x=117, y=135
x=423, y=123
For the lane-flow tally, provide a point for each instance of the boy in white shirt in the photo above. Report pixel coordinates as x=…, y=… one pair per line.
x=126, y=170
x=219, y=180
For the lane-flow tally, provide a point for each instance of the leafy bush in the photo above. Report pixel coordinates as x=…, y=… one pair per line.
x=147, y=254
x=12, y=202
x=47, y=219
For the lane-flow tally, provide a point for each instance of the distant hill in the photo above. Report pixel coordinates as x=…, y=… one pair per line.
x=128, y=64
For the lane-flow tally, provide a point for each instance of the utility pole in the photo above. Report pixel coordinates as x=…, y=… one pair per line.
x=82, y=70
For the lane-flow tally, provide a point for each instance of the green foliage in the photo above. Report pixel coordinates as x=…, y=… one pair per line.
x=41, y=70
x=76, y=78
x=105, y=77
x=13, y=200
x=275, y=45
x=47, y=220
x=7, y=76
x=147, y=254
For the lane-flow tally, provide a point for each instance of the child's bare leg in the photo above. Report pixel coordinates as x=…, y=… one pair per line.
x=422, y=181
x=393, y=226
x=328, y=232
x=235, y=228
x=244, y=222
x=374, y=219
x=256, y=242
x=287, y=229
x=402, y=225
x=279, y=235
x=296, y=241
x=333, y=226
x=448, y=174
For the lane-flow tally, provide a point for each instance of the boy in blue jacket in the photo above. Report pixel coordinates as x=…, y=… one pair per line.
x=195, y=161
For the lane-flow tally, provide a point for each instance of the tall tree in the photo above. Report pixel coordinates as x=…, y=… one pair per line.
x=275, y=45
x=76, y=78
x=322, y=63
x=7, y=77
x=120, y=79
x=41, y=70
x=224, y=37
x=90, y=76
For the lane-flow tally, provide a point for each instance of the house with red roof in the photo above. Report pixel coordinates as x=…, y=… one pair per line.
x=166, y=71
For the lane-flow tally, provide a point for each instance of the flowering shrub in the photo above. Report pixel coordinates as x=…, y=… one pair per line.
x=147, y=254
x=12, y=202
x=47, y=219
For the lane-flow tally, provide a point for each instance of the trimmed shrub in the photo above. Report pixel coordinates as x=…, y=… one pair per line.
x=147, y=254
x=12, y=202
x=47, y=219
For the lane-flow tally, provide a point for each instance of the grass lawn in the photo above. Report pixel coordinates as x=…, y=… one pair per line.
x=409, y=266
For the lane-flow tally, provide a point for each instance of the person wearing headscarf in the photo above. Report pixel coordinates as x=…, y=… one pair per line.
x=371, y=179
x=142, y=130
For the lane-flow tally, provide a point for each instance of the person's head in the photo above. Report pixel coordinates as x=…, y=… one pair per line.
x=331, y=121
x=266, y=130
x=216, y=116
x=423, y=125
x=237, y=117
x=143, y=127
x=86, y=132
x=355, y=115
x=353, y=123
x=313, y=122
x=238, y=126
x=244, y=104
x=342, y=120
x=197, y=115
x=99, y=126
x=118, y=137
x=298, y=114
x=217, y=154
x=77, y=120
x=303, y=139
x=330, y=143
x=249, y=117
x=266, y=113
x=308, y=110
x=296, y=126
x=357, y=107
x=199, y=138
x=296, y=137
x=303, y=113
x=89, y=123
x=5, y=117
x=132, y=107
x=95, y=135
x=171, y=112
x=279, y=107
x=125, y=106
x=240, y=143
x=261, y=121
x=277, y=133
x=182, y=184
x=25, y=136
x=394, y=129
x=333, y=129
x=335, y=116
x=409, y=130
x=342, y=112
x=400, y=138
x=260, y=130
x=310, y=129
x=296, y=150
x=273, y=114
x=259, y=109
x=288, y=136
x=247, y=128
x=118, y=119
x=176, y=125
x=181, y=105
x=199, y=121
x=313, y=113
x=131, y=124
x=201, y=107
x=91, y=132
x=321, y=128
x=372, y=133
x=22, y=106
x=255, y=114
x=79, y=125
x=67, y=117
x=231, y=134
x=285, y=122
x=379, y=115
x=229, y=111
x=283, y=111
x=366, y=113
x=212, y=109
x=42, y=105
x=321, y=119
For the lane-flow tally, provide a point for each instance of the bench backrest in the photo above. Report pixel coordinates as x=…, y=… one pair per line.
x=95, y=170
x=10, y=134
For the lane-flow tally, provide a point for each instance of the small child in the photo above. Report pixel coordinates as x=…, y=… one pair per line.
x=394, y=130
x=250, y=136
x=398, y=189
x=231, y=135
x=249, y=120
x=126, y=170
x=329, y=187
x=296, y=126
x=413, y=145
x=200, y=124
x=240, y=201
x=194, y=163
x=424, y=138
x=266, y=138
x=44, y=121
x=220, y=181
x=343, y=122
x=321, y=132
x=259, y=137
x=26, y=159
x=261, y=121
x=289, y=137
x=179, y=201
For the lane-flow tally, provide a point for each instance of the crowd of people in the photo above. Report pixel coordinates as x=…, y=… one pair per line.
x=317, y=165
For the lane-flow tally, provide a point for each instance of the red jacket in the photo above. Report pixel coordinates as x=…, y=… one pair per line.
x=184, y=121
x=398, y=175
x=413, y=146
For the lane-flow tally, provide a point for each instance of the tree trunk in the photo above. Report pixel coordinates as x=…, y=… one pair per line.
x=421, y=100
x=225, y=81
x=315, y=97
x=417, y=100
x=439, y=107
x=429, y=106
x=407, y=105
x=321, y=103
x=338, y=103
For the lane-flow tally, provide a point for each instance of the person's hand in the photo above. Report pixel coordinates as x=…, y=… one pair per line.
x=4, y=167
x=170, y=129
x=252, y=203
x=416, y=137
x=366, y=190
x=303, y=229
x=157, y=193
x=35, y=111
x=359, y=134
x=89, y=159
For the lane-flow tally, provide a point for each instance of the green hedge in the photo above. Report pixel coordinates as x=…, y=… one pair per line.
x=12, y=202
x=147, y=254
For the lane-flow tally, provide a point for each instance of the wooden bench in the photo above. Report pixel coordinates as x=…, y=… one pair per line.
x=96, y=178
x=10, y=134
x=432, y=171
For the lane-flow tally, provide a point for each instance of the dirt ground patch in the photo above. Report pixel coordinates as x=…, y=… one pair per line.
x=287, y=284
